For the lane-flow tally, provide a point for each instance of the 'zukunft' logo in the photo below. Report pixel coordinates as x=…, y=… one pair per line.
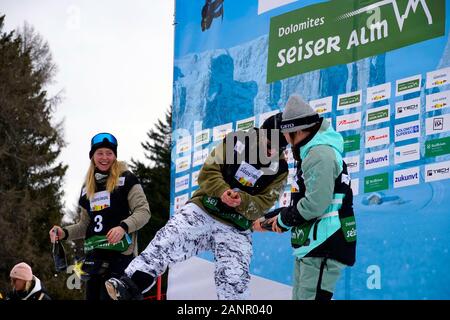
x=376, y=159
x=407, y=177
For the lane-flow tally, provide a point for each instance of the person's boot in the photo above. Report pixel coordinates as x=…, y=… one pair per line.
x=123, y=289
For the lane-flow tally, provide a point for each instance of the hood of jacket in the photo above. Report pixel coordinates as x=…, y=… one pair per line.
x=325, y=136
x=37, y=287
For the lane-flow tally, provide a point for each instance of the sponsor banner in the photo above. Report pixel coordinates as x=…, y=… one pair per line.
x=438, y=124
x=352, y=143
x=407, y=131
x=437, y=147
x=180, y=201
x=181, y=183
x=408, y=85
x=355, y=186
x=184, y=144
x=407, y=108
x=349, y=121
x=377, y=159
x=183, y=164
x=410, y=152
x=378, y=115
x=378, y=93
x=352, y=163
x=377, y=137
x=245, y=124
x=437, y=171
x=285, y=199
x=199, y=157
x=339, y=32
x=220, y=132
x=406, y=177
x=194, y=177
x=202, y=137
x=349, y=100
x=376, y=182
x=437, y=101
x=323, y=105
x=438, y=78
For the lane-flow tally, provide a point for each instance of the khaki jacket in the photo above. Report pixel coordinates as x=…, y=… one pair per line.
x=212, y=183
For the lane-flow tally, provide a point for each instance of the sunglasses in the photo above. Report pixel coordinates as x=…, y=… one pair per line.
x=100, y=137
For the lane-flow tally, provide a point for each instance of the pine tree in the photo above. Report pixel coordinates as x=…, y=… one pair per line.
x=30, y=143
x=155, y=180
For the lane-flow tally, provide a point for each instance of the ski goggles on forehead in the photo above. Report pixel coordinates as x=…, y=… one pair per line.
x=100, y=137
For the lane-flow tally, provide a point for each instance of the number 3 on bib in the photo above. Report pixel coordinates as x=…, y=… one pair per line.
x=98, y=220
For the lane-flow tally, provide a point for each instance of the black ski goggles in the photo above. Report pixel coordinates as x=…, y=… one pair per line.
x=100, y=137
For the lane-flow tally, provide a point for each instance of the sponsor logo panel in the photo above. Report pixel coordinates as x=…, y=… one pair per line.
x=349, y=121
x=245, y=124
x=378, y=93
x=221, y=131
x=377, y=137
x=181, y=183
x=200, y=157
x=184, y=144
x=407, y=131
x=438, y=78
x=406, y=177
x=183, y=164
x=408, y=85
x=352, y=163
x=349, y=100
x=437, y=147
x=378, y=115
x=437, y=171
x=437, y=101
x=410, y=152
x=438, y=124
x=323, y=105
x=180, y=201
x=377, y=159
x=202, y=137
x=407, y=108
x=376, y=182
x=352, y=143
x=195, y=178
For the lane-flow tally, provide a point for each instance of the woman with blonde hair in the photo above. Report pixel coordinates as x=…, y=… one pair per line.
x=113, y=207
x=25, y=285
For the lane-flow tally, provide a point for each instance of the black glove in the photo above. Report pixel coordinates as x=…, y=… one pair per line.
x=271, y=214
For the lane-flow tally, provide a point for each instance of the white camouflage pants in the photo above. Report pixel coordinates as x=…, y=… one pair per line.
x=191, y=231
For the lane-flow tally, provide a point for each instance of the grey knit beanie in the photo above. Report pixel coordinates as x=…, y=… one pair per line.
x=298, y=115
